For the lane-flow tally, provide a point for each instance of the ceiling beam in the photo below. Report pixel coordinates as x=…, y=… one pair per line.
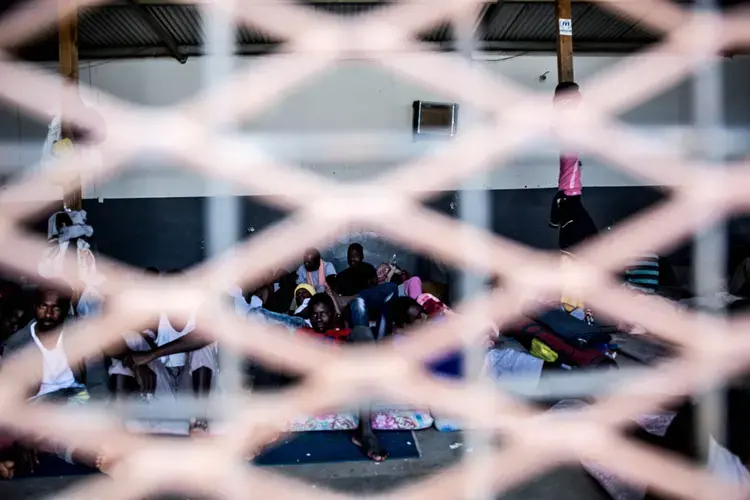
x=159, y=30
x=530, y=46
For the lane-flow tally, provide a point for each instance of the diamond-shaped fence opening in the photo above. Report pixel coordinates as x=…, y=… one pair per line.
x=314, y=42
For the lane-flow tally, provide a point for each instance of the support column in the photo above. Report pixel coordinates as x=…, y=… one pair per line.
x=564, y=14
x=68, y=33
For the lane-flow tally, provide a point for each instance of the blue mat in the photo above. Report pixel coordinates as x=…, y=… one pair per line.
x=52, y=466
x=298, y=448
x=330, y=447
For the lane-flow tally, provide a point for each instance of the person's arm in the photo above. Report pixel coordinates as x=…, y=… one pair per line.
x=333, y=296
x=121, y=350
x=301, y=275
x=187, y=343
x=329, y=269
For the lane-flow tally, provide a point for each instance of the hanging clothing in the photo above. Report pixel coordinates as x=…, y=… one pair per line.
x=569, y=180
x=60, y=234
x=643, y=274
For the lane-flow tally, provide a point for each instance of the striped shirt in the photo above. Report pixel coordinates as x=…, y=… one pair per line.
x=643, y=274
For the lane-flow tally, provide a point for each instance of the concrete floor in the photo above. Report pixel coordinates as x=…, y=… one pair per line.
x=367, y=477
x=438, y=452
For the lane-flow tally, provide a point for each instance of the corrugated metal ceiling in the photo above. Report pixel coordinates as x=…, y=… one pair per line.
x=123, y=26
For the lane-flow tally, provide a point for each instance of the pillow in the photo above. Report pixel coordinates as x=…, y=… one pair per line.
x=383, y=419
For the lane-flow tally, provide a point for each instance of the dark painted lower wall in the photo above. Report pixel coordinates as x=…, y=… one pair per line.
x=169, y=232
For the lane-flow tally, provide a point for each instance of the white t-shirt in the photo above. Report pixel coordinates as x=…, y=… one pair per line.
x=167, y=333
x=56, y=372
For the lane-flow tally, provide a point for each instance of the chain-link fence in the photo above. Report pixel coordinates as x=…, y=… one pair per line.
x=700, y=194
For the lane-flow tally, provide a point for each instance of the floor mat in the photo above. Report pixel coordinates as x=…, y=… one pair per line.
x=53, y=466
x=330, y=447
x=298, y=448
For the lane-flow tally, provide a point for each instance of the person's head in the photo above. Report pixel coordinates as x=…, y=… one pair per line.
x=322, y=313
x=355, y=254
x=51, y=305
x=567, y=94
x=406, y=311
x=14, y=314
x=9, y=289
x=303, y=292
x=311, y=259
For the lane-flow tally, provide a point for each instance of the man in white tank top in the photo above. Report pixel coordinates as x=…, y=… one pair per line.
x=59, y=378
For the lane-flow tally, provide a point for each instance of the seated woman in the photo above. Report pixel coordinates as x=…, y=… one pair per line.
x=408, y=286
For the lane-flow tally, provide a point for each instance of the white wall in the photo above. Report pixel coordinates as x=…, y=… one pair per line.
x=357, y=97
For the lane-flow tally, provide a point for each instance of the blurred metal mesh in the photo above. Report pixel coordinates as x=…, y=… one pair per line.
x=533, y=442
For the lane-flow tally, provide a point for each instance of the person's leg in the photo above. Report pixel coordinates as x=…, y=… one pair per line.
x=122, y=386
x=122, y=381
x=202, y=366
x=358, y=313
x=364, y=436
x=282, y=319
x=554, y=215
x=375, y=300
x=377, y=295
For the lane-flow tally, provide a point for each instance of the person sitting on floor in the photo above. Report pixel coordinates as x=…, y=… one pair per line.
x=302, y=295
x=408, y=286
x=370, y=299
x=285, y=284
x=359, y=275
x=179, y=360
x=314, y=270
x=14, y=314
x=60, y=379
x=323, y=320
x=163, y=364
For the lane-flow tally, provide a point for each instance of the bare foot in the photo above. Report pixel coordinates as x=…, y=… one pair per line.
x=198, y=428
x=270, y=436
x=369, y=445
x=7, y=468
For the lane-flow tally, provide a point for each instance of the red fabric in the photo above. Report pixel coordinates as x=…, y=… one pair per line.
x=432, y=305
x=6, y=442
x=569, y=354
x=335, y=335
